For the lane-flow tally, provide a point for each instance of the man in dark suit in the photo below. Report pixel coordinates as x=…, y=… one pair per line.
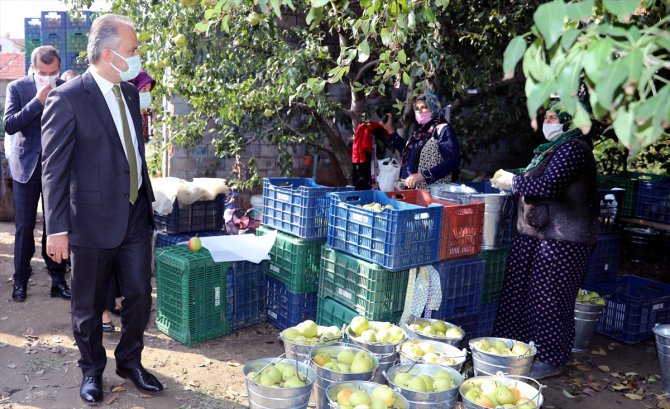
x=98, y=200
x=23, y=113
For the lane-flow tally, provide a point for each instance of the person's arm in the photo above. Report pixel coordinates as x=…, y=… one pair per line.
x=568, y=161
x=451, y=155
x=17, y=117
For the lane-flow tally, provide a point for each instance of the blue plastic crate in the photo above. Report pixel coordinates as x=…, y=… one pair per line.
x=79, y=21
x=297, y=206
x=286, y=309
x=634, y=306
x=468, y=322
x=53, y=21
x=604, y=262
x=462, y=281
x=32, y=27
x=653, y=201
x=487, y=319
x=397, y=239
x=199, y=216
x=165, y=239
x=245, y=294
x=72, y=61
x=57, y=41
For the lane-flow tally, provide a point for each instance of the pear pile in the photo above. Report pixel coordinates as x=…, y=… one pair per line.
x=437, y=382
x=589, y=297
x=492, y=394
x=436, y=329
x=346, y=361
x=278, y=375
x=375, y=332
x=382, y=397
x=308, y=333
x=377, y=207
x=423, y=351
x=500, y=347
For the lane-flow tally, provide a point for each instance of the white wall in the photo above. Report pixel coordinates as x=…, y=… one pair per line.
x=8, y=46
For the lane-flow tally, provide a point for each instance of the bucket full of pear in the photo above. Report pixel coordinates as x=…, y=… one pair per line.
x=299, y=340
x=588, y=310
x=511, y=391
x=424, y=351
x=491, y=355
x=341, y=362
x=426, y=386
x=435, y=330
x=355, y=394
x=379, y=338
x=278, y=383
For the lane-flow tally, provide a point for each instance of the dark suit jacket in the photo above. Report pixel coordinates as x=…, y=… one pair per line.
x=85, y=175
x=23, y=113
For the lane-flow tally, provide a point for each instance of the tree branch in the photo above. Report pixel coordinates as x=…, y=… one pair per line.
x=364, y=69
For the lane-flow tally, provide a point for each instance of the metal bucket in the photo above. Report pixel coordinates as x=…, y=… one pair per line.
x=528, y=388
x=485, y=363
x=326, y=377
x=385, y=352
x=662, y=335
x=413, y=334
x=269, y=397
x=369, y=387
x=426, y=400
x=441, y=349
x=586, y=320
x=299, y=350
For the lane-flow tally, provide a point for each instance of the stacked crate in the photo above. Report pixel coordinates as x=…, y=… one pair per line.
x=53, y=32
x=297, y=209
x=76, y=32
x=32, y=29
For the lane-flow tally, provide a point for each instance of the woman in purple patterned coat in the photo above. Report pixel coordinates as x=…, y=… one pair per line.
x=555, y=231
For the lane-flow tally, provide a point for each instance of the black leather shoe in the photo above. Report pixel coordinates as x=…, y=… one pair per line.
x=141, y=378
x=61, y=290
x=91, y=389
x=20, y=292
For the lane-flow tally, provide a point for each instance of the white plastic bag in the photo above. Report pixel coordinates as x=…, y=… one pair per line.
x=389, y=172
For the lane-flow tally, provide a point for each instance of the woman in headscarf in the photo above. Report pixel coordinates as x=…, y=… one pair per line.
x=555, y=232
x=431, y=154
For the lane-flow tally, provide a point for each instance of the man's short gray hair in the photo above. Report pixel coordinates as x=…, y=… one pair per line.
x=46, y=54
x=105, y=34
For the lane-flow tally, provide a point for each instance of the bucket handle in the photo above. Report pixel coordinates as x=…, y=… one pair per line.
x=297, y=368
x=540, y=387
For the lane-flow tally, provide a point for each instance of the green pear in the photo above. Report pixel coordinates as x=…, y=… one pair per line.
x=294, y=382
x=346, y=356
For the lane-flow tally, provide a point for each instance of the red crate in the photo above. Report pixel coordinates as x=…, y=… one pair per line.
x=462, y=224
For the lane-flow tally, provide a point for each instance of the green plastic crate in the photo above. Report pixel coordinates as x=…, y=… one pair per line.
x=364, y=287
x=330, y=312
x=495, y=263
x=629, y=182
x=295, y=262
x=191, y=291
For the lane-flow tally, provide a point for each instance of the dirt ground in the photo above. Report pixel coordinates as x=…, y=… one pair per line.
x=38, y=361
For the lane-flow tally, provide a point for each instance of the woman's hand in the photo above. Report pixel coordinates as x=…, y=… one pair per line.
x=414, y=179
x=502, y=180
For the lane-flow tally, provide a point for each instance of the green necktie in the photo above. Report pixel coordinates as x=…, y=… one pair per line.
x=130, y=148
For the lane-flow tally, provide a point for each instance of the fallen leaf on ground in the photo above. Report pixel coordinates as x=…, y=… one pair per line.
x=599, y=351
x=663, y=404
x=590, y=391
x=146, y=395
x=583, y=368
x=633, y=396
x=38, y=373
x=11, y=366
x=137, y=407
x=604, y=368
x=568, y=394
x=235, y=364
x=117, y=388
x=619, y=387
x=57, y=340
x=112, y=399
x=631, y=374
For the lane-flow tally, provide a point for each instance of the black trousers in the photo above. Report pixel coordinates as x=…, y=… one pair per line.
x=91, y=272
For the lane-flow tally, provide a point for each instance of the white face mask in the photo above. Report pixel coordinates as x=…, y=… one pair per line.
x=552, y=131
x=44, y=80
x=145, y=100
x=134, y=67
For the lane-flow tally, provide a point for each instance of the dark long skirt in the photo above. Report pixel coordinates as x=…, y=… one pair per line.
x=539, y=292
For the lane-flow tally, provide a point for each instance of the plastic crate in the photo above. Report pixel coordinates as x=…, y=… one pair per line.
x=31, y=44
x=396, y=239
x=79, y=21
x=32, y=27
x=462, y=224
x=191, y=287
x=166, y=240
x=199, y=216
x=297, y=206
x=653, y=201
x=293, y=261
x=287, y=309
x=629, y=182
x=366, y=288
x=53, y=21
x=73, y=62
x=245, y=294
x=76, y=42
x=461, y=281
x=330, y=312
x=495, y=265
x=57, y=41
x=634, y=306
x=487, y=319
x=604, y=261
x=610, y=203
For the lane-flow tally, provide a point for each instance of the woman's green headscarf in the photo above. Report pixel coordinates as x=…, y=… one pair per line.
x=569, y=132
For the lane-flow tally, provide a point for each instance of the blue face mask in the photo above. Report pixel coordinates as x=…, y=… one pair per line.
x=145, y=100
x=134, y=67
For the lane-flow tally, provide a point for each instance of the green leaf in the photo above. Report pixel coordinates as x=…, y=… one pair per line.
x=569, y=37
x=513, y=53
x=580, y=9
x=597, y=54
x=548, y=19
x=209, y=13
x=387, y=39
x=406, y=78
x=623, y=124
x=202, y=26
x=621, y=8
x=634, y=62
x=402, y=57
x=363, y=51
x=568, y=394
x=610, y=84
x=581, y=119
x=537, y=94
x=319, y=3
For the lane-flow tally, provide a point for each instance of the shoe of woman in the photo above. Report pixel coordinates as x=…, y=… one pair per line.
x=541, y=370
x=108, y=327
